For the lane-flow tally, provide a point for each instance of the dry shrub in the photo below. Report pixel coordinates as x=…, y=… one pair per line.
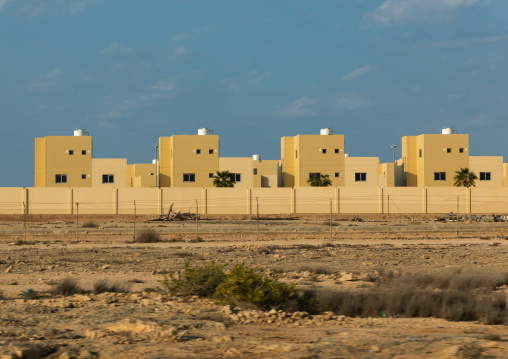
x=147, y=236
x=89, y=224
x=468, y=296
x=67, y=287
x=103, y=286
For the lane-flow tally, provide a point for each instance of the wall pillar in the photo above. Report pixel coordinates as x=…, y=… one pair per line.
x=424, y=198
x=161, y=201
x=468, y=199
x=381, y=200
x=249, y=201
x=70, y=200
x=115, y=200
x=337, y=200
x=293, y=201
x=205, y=200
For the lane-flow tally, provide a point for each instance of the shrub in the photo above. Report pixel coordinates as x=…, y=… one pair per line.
x=147, y=236
x=103, y=286
x=243, y=285
x=67, y=287
x=30, y=294
x=89, y=224
x=201, y=281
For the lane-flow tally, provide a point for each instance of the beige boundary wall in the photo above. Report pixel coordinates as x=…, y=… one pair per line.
x=155, y=201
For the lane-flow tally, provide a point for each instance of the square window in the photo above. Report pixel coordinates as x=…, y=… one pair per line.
x=255, y=171
x=439, y=176
x=71, y=152
x=235, y=177
x=60, y=178
x=83, y=152
x=484, y=176
x=210, y=175
x=210, y=152
x=83, y=176
x=314, y=174
x=324, y=151
x=448, y=150
x=189, y=177
x=337, y=150
x=336, y=174
x=198, y=151
x=108, y=178
x=360, y=177
x=461, y=150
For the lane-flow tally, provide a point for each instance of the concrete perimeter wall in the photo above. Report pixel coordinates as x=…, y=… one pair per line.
x=156, y=201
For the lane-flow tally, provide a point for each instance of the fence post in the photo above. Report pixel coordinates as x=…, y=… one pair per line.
x=134, y=223
x=77, y=221
x=197, y=217
x=457, y=217
x=257, y=215
x=388, y=217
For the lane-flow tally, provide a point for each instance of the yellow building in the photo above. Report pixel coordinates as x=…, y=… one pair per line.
x=362, y=172
x=109, y=172
x=431, y=160
x=251, y=172
x=488, y=169
x=188, y=160
x=305, y=155
x=142, y=175
x=64, y=161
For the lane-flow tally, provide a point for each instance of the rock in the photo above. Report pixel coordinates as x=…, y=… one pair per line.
x=9, y=269
x=105, y=266
x=28, y=353
x=81, y=298
x=346, y=277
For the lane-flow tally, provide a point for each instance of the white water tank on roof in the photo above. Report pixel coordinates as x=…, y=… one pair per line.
x=79, y=132
x=203, y=131
x=346, y=154
x=325, y=131
x=447, y=131
x=256, y=157
x=154, y=162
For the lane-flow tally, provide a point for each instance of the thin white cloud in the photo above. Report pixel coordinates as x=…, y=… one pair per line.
x=180, y=51
x=399, y=12
x=118, y=48
x=36, y=8
x=164, y=85
x=300, y=107
x=3, y=3
x=50, y=80
x=465, y=42
x=359, y=72
x=249, y=79
x=350, y=101
x=179, y=37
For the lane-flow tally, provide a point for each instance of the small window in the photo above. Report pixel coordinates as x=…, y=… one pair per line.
x=484, y=176
x=324, y=151
x=360, y=177
x=83, y=176
x=210, y=152
x=439, y=176
x=296, y=153
x=83, y=152
x=337, y=150
x=336, y=174
x=314, y=174
x=210, y=175
x=255, y=171
x=189, y=177
x=108, y=178
x=60, y=178
x=71, y=152
x=235, y=177
x=420, y=153
x=198, y=151
x=461, y=150
x=448, y=150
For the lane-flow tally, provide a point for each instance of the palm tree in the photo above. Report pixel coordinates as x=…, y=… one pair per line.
x=319, y=180
x=223, y=179
x=465, y=178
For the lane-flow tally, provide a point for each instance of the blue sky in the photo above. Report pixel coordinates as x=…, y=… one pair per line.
x=252, y=71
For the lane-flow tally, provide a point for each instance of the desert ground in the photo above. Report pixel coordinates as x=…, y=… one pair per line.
x=140, y=321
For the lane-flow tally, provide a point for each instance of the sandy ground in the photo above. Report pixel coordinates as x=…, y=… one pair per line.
x=143, y=323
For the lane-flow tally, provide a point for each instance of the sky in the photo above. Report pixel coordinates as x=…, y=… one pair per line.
x=130, y=72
